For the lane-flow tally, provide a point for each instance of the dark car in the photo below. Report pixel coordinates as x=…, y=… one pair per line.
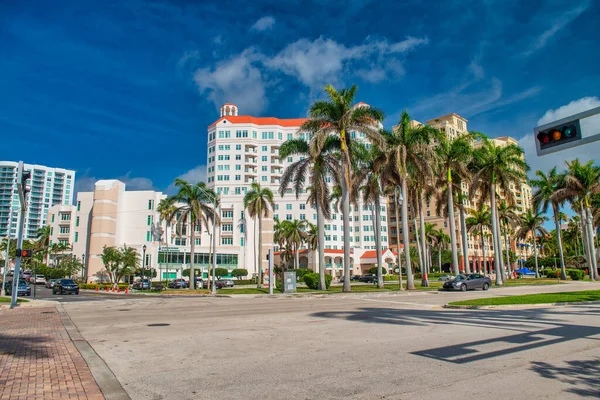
x=23, y=288
x=468, y=282
x=65, y=286
x=178, y=284
x=355, y=278
x=368, y=278
x=142, y=285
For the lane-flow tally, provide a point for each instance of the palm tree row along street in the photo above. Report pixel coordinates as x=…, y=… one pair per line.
x=468, y=177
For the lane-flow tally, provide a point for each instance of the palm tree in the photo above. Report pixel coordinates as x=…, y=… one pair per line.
x=476, y=223
x=497, y=167
x=194, y=211
x=129, y=259
x=409, y=150
x=338, y=117
x=508, y=219
x=543, y=197
x=454, y=158
x=43, y=240
x=259, y=202
x=442, y=241
x=295, y=234
x=317, y=166
x=532, y=224
x=166, y=211
x=581, y=182
x=459, y=202
x=367, y=181
x=312, y=241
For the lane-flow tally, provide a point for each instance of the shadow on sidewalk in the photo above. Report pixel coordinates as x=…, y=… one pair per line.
x=23, y=346
x=584, y=376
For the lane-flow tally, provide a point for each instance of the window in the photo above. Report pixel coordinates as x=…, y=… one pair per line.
x=288, y=206
x=302, y=216
x=150, y=220
x=241, y=241
x=290, y=136
x=227, y=214
x=279, y=135
x=76, y=237
x=65, y=229
x=52, y=217
x=197, y=241
x=264, y=168
x=288, y=217
x=263, y=178
x=65, y=216
x=290, y=159
x=150, y=205
x=148, y=236
x=327, y=237
x=357, y=238
x=238, y=167
x=302, y=206
x=265, y=148
x=238, y=190
x=264, y=158
x=227, y=241
x=227, y=227
x=78, y=208
x=51, y=230
x=77, y=221
x=238, y=157
x=314, y=216
x=238, y=177
x=238, y=146
x=253, y=134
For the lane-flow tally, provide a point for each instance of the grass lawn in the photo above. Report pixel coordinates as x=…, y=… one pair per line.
x=7, y=300
x=568, y=297
x=532, y=282
x=388, y=287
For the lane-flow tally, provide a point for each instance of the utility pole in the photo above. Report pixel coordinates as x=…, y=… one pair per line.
x=270, y=257
x=22, y=178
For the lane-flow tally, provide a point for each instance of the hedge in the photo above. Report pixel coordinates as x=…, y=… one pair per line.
x=312, y=280
x=576, y=274
x=101, y=286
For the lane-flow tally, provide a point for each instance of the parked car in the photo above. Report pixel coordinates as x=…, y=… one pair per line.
x=199, y=283
x=39, y=280
x=467, y=282
x=218, y=284
x=444, y=278
x=355, y=278
x=23, y=288
x=142, y=285
x=26, y=275
x=368, y=278
x=65, y=286
x=178, y=284
x=227, y=282
x=50, y=283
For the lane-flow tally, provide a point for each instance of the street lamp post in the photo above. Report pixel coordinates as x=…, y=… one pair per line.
x=83, y=267
x=143, y=266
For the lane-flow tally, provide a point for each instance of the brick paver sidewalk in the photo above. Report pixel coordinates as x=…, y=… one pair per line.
x=38, y=360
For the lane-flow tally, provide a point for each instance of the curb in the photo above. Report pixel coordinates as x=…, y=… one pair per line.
x=107, y=381
x=519, y=306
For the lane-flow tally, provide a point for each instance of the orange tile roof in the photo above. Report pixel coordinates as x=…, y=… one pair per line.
x=373, y=253
x=246, y=119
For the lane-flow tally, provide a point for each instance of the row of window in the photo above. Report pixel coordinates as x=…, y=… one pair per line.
x=264, y=135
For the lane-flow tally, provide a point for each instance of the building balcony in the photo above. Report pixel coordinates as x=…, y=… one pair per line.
x=250, y=180
x=250, y=161
x=64, y=222
x=250, y=171
x=227, y=233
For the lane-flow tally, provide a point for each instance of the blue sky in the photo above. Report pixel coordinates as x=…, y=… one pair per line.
x=125, y=89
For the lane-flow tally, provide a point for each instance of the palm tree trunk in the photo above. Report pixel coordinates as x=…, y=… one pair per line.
x=563, y=271
x=419, y=250
x=585, y=244
x=378, y=243
x=537, y=272
x=259, y=264
x=398, y=236
x=345, y=215
x=321, y=246
x=590, y=233
x=452, y=227
x=297, y=255
x=499, y=241
x=463, y=226
x=483, y=251
x=410, y=282
x=192, y=253
x=424, y=281
x=497, y=254
x=507, y=253
x=440, y=259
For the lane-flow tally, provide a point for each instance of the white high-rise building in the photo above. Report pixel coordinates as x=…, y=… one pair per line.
x=49, y=187
x=245, y=149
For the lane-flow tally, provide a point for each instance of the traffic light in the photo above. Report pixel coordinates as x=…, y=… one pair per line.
x=22, y=178
x=26, y=253
x=559, y=135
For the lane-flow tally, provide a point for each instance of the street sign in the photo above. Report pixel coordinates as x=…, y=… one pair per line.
x=565, y=133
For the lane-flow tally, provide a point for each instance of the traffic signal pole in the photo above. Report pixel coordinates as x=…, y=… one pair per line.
x=17, y=273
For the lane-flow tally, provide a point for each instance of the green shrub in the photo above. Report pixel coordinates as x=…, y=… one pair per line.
x=312, y=280
x=328, y=280
x=551, y=272
x=220, y=272
x=390, y=277
x=373, y=270
x=576, y=274
x=239, y=272
x=300, y=272
x=101, y=286
x=245, y=281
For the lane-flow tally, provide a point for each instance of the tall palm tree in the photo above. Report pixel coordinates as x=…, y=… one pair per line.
x=508, y=219
x=478, y=221
x=581, y=182
x=259, y=202
x=166, y=211
x=409, y=149
x=460, y=200
x=312, y=241
x=43, y=241
x=454, y=158
x=442, y=241
x=497, y=167
x=367, y=181
x=543, y=197
x=337, y=116
x=316, y=166
x=295, y=234
x=193, y=209
x=532, y=224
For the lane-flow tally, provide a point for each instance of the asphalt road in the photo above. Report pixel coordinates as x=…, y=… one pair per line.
x=357, y=346
x=46, y=294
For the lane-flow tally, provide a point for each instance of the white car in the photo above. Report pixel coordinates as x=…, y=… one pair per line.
x=40, y=280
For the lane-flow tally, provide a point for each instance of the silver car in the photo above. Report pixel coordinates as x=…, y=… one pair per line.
x=50, y=283
x=468, y=282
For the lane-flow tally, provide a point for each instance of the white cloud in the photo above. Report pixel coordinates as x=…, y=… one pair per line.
x=136, y=183
x=557, y=25
x=584, y=153
x=237, y=79
x=263, y=24
x=244, y=78
x=193, y=176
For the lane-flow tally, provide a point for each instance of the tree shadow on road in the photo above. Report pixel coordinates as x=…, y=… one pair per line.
x=529, y=329
x=584, y=376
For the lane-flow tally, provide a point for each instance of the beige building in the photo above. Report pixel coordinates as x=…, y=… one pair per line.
x=454, y=125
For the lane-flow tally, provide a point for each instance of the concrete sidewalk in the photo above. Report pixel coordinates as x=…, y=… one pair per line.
x=38, y=360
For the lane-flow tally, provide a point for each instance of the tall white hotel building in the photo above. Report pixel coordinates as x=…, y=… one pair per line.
x=244, y=149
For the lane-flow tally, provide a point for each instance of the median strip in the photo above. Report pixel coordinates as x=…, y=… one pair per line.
x=530, y=299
